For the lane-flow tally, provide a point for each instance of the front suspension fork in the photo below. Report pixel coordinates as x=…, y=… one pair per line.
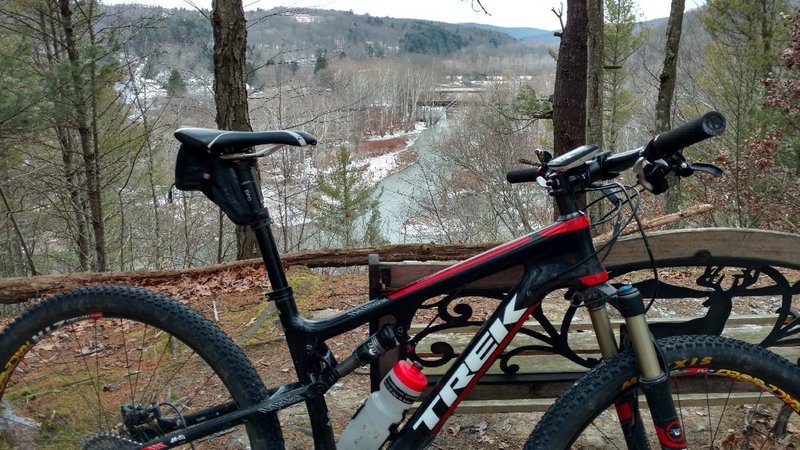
x=627, y=407
x=654, y=378
x=654, y=375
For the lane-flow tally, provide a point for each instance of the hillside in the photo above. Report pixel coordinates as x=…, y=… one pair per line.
x=520, y=33
x=303, y=36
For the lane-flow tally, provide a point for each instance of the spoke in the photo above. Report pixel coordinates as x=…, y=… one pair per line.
x=82, y=357
x=189, y=400
x=73, y=382
x=127, y=360
x=605, y=435
x=155, y=369
x=98, y=349
x=175, y=372
x=708, y=409
x=139, y=363
x=749, y=428
x=722, y=413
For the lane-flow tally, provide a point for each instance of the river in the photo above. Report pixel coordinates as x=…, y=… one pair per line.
x=397, y=203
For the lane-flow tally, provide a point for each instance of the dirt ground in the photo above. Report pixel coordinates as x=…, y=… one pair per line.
x=235, y=303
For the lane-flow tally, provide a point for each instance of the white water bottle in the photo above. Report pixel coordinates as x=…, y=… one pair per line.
x=370, y=426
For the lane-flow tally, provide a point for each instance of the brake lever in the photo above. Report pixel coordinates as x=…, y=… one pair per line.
x=710, y=169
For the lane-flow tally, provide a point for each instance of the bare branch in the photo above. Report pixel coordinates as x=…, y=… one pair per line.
x=560, y=14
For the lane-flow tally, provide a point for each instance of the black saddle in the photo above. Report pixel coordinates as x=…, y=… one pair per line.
x=235, y=141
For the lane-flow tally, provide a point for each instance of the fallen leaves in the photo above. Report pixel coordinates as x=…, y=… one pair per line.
x=197, y=286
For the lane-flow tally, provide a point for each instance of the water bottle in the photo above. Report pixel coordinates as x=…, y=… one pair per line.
x=370, y=426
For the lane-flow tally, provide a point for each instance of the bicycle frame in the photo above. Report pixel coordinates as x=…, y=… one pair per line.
x=558, y=256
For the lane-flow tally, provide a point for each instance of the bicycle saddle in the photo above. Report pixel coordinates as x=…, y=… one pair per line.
x=235, y=141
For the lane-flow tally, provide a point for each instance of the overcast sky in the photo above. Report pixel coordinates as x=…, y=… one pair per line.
x=507, y=13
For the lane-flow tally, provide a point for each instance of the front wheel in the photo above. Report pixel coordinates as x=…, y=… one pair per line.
x=113, y=366
x=728, y=394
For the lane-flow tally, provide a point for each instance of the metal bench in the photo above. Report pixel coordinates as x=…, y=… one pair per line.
x=735, y=282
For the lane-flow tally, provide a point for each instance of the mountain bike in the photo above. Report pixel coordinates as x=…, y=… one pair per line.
x=121, y=367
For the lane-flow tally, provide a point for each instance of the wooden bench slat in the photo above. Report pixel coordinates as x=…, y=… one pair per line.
x=540, y=405
x=580, y=342
x=548, y=363
x=734, y=320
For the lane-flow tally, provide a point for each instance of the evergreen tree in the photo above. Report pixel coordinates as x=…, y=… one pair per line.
x=346, y=211
x=748, y=36
x=620, y=41
x=175, y=86
x=320, y=60
x=374, y=50
x=763, y=177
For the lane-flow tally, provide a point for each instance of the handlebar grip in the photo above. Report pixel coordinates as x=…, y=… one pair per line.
x=708, y=125
x=522, y=175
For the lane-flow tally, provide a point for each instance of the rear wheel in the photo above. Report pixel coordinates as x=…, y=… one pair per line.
x=96, y=367
x=728, y=394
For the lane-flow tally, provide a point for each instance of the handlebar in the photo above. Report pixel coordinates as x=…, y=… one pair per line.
x=523, y=175
x=706, y=126
x=665, y=146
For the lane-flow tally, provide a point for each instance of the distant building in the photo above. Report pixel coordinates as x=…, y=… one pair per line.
x=305, y=18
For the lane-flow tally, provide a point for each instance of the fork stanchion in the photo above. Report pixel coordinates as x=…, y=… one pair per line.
x=654, y=378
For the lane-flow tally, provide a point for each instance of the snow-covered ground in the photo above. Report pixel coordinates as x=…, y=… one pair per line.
x=380, y=167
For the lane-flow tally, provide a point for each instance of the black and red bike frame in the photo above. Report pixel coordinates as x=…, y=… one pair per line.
x=558, y=256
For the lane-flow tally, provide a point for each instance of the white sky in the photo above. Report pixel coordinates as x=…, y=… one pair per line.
x=507, y=13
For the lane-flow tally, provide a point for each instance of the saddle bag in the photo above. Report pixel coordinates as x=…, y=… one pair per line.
x=197, y=169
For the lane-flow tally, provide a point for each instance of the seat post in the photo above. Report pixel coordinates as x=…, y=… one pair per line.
x=261, y=226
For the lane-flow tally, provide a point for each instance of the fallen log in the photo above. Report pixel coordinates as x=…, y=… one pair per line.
x=19, y=289
x=667, y=219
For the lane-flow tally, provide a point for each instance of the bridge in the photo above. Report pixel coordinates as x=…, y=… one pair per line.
x=451, y=96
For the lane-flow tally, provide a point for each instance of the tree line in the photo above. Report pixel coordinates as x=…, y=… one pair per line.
x=87, y=158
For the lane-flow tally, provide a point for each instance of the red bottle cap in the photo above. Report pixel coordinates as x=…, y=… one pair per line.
x=410, y=375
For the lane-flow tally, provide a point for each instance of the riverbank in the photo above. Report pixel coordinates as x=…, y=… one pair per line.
x=389, y=154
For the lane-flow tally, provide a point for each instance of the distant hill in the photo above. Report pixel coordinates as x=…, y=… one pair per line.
x=301, y=33
x=519, y=33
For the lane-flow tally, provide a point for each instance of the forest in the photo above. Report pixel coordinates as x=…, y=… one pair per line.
x=92, y=93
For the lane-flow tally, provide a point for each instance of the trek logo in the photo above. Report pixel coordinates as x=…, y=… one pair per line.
x=477, y=358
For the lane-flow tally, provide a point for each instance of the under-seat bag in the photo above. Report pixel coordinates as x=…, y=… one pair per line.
x=197, y=169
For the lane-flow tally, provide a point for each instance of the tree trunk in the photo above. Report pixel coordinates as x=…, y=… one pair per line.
x=90, y=156
x=18, y=232
x=230, y=90
x=666, y=91
x=594, y=92
x=569, y=96
x=61, y=128
x=595, y=63
x=70, y=176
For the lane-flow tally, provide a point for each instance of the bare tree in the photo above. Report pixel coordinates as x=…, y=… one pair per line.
x=595, y=64
x=86, y=124
x=569, y=94
x=666, y=89
x=230, y=87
